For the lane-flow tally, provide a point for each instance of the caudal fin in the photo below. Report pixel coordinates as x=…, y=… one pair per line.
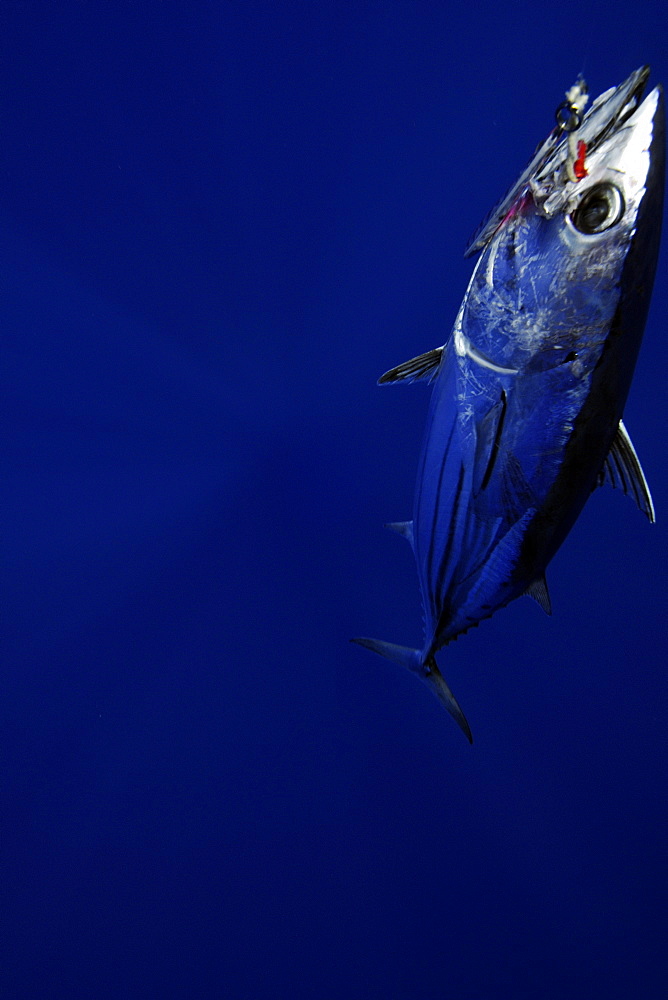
x=428, y=671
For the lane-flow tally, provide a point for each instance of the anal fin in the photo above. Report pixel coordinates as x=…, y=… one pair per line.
x=403, y=528
x=622, y=470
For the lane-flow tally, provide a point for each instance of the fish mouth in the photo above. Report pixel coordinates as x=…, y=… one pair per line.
x=546, y=175
x=611, y=110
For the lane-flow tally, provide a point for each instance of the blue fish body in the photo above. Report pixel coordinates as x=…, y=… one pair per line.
x=529, y=390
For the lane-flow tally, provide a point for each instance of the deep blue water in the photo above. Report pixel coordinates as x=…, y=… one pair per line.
x=222, y=221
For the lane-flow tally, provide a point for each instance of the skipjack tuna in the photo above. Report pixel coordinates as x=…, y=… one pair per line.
x=526, y=413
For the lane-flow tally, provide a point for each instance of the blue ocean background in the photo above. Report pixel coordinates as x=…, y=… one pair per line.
x=222, y=221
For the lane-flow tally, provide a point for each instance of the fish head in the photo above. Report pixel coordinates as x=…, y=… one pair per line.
x=547, y=169
x=619, y=199
x=574, y=259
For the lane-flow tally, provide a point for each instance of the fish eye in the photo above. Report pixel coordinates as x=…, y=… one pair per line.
x=600, y=209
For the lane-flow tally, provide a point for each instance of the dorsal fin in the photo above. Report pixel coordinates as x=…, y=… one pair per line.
x=423, y=366
x=622, y=470
x=538, y=590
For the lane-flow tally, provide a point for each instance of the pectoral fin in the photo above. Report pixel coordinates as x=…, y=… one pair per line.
x=488, y=441
x=423, y=366
x=622, y=470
